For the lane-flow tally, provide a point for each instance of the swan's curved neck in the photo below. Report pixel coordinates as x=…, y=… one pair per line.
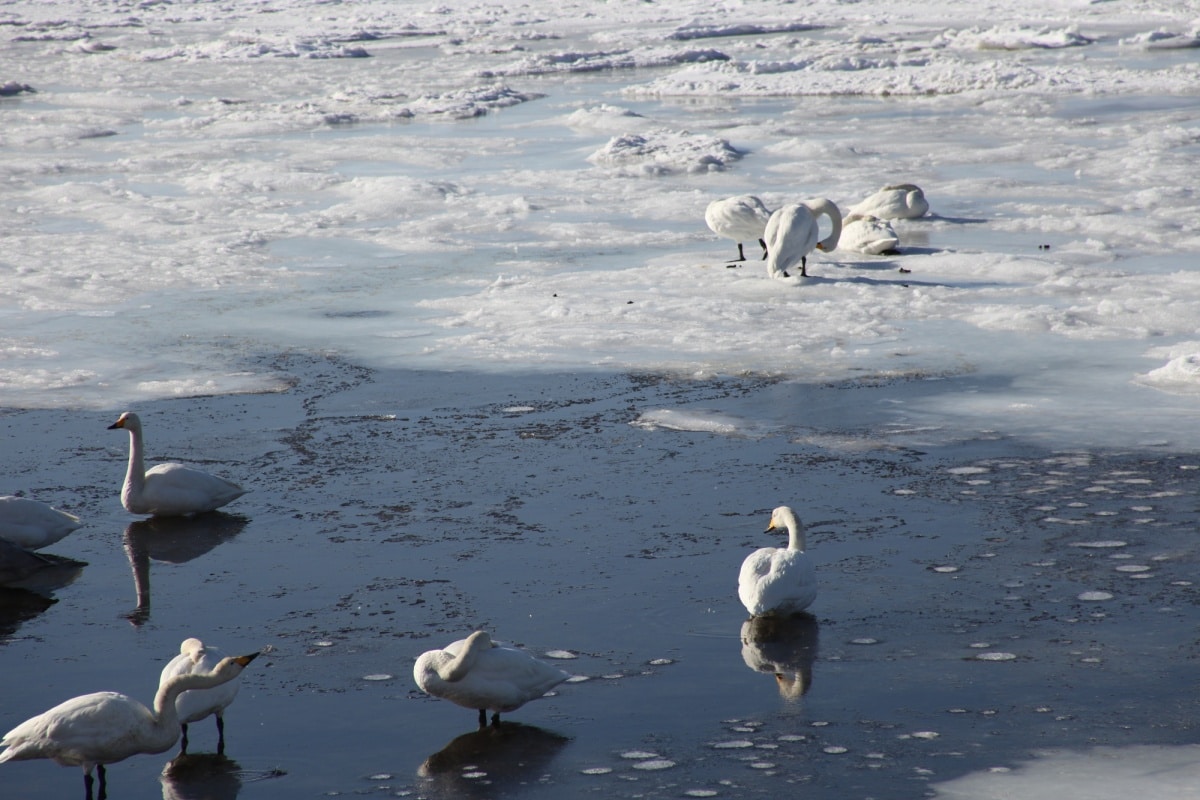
x=458, y=667
x=795, y=532
x=822, y=205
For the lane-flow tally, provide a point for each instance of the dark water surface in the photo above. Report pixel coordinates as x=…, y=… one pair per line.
x=393, y=512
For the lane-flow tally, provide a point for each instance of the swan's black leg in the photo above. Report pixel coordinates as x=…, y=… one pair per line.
x=183, y=743
x=220, y=736
x=482, y=718
x=764, y=247
x=803, y=266
x=88, y=781
x=103, y=783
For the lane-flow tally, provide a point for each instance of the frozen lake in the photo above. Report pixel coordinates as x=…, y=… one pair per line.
x=434, y=281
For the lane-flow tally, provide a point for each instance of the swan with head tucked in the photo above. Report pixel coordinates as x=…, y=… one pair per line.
x=31, y=524
x=898, y=201
x=170, y=489
x=741, y=218
x=779, y=580
x=106, y=727
x=792, y=232
x=480, y=674
x=197, y=704
x=870, y=235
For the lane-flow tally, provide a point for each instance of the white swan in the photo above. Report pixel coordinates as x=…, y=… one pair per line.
x=792, y=233
x=106, y=727
x=478, y=673
x=168, y=489
x=197, y=704
x=870, y=235
x=32, y=524
x=739, y=218
x=898, y=201
x=779, y=580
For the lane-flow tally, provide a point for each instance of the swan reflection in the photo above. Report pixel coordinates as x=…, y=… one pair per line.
x=482, y=762
x=201, y=776
x=785, y=647
x=28, y=581
x=174, y=540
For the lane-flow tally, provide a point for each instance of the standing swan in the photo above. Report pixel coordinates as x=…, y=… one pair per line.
x=739, y=218
x=106, y=727
x=779, y=580
x=478, y=673
x=171, y=489
x=196, y=704
x=898, y=201
x=32, y=524
x=792, y=233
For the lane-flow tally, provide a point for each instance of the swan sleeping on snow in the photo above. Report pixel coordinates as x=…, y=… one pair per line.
x=898, y=201
x=779, y=580
x=106, y=727
x=31, y=524
x=196, y=704
x=741, y=218
x=478, y=673
x=792, y=232
x=171, y=489
x=870, y=235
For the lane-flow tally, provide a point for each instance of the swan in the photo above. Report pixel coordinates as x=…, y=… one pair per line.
x=17, y=563
x=197, y=704
x=898, y=201
x=31, y=524
x=168, y=489
x=106, y=727
x=779, y=580
x=478, y=673
x=739, y=218
x=792, y=232
x=870, y=235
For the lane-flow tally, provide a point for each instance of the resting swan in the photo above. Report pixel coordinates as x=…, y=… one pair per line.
x=31, y=524
x=739, y=218
x=870, y=235
x=792, y=232
x=196, y=704
x=106, y=727
x=478, y=673
x=779, y=580
x=171, y=489
x=898, y=201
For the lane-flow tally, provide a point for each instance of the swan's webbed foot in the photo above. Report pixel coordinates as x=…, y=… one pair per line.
x=741, y=257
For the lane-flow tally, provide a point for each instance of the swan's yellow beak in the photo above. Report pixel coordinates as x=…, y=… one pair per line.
x=118, y=424
x=244, y=660
x=821, y=247
x=770, y=528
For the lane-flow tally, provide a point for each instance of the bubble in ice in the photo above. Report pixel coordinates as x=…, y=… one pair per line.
x=944, y=568
x=700, y=793
x=654, y=764
x=1095, y=596
x=578, y=679
x=1133, y=568
x=1100, y=544
x=660, y=662
x=382, y=776
x=323, y=643
x=561, y=654
x=996, y=656
x=762, y=765
x=924, y=735
x=638, y=754
x=967, y=470
x=864, y=640
x=596, y=770
x=377, y=676
x=835, y=749
x=733, y=744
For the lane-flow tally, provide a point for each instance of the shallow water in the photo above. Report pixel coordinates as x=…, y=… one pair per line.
x=392, y=511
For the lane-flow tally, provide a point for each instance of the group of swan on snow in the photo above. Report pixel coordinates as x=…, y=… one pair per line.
x=477, y=673
x=790, y=233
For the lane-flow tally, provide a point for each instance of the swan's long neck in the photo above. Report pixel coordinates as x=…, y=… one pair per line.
x=457, y=668
x=795, y=532
x=135, y=475
x=822, y=205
